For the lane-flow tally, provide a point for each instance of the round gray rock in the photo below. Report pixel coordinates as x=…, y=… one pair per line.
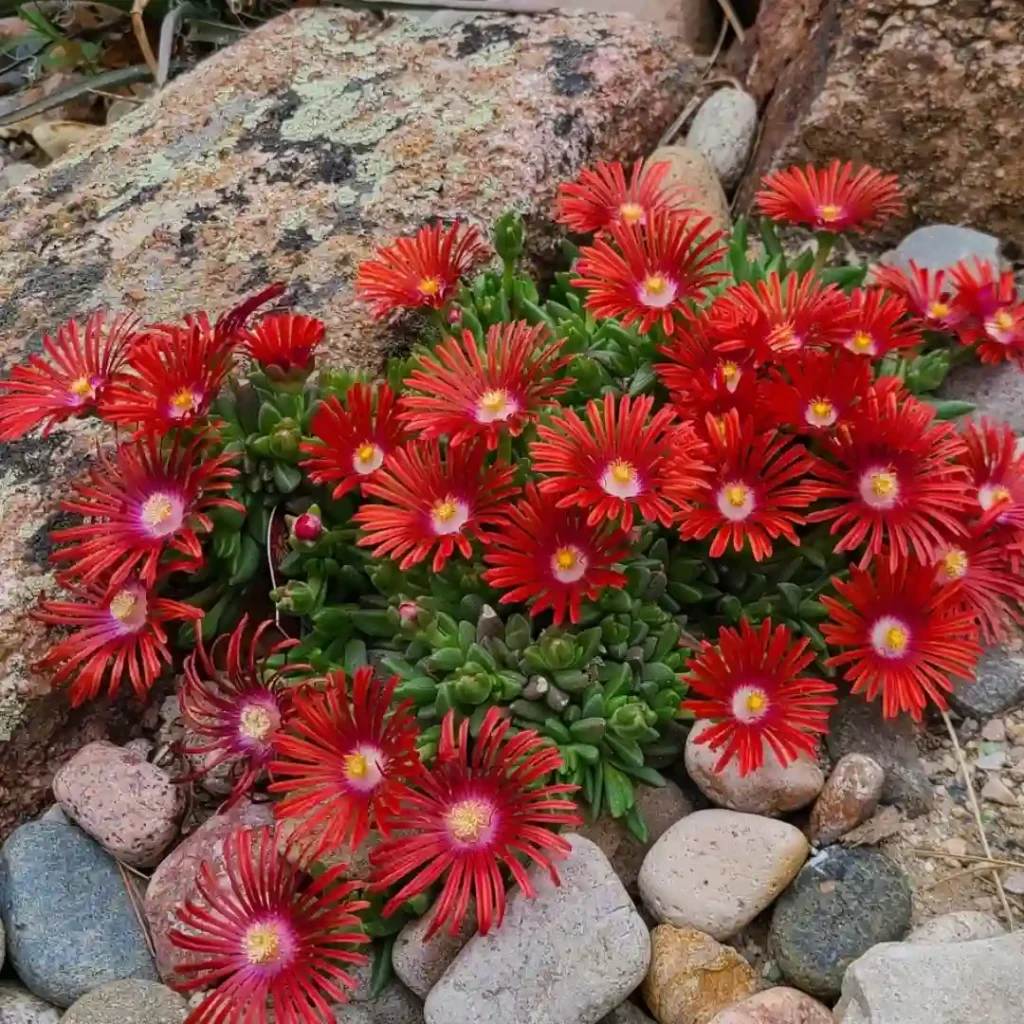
x=841, y=904
x=129, y=1002
x=936, y=246
x=70, y=925
x=724, y=131
x=19, y=1006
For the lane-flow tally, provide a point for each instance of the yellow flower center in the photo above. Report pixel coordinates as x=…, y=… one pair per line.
x=896, y=639
x=862, y=341
x=656, y=284
x=82, y=388
x=756, y=701
x=884, y=484
x=123, y=605
x=468, y=820
x=730, y=371
x=255, y=723
x=631, y=213
x=938, y=310
x=184, y=400
x=565, y=558
x=736, y=495
x=954, y=564
x=822, y=408
x=157, y=509
x=830, y=212
x=429, y=286
x=262, y=944
x=1000, y=494
x=356, y=766
x=622, y=472
x=444, y=511
x=365, y=452
x=1003, y=320
x=494, y=401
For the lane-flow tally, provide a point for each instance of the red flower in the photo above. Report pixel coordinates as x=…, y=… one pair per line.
x=755, y=483
x=419, y=272
x=926, y=292
x=835, y=199
x=996, y=472
x=239, y=711
x=772, y=319
x=991, y=317
x=285, y=341
x=752, y=688
x=143, y=504
x=432, y=501
x=345, y=759
x=621, y=462
x=905, y=634
x=354, y=440
x=602, y=197
x=118, y=631
x=466, y=394
x=895, y=480
x=987, y=584
x=882, y=324
x=657, y=270
x=551, y=557
x=70, y=380
x=268, y=932
x=471, y=816
x=175, y=373
x=817, y=392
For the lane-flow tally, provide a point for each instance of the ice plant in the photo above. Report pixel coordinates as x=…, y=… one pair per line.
x=833, y=199
x=472, y=815
x=461, y=392
x=433, y=502
x=904, y=633
x=420, y=272
x=269, y=937
x=622, y=462
x=284, y=344
x=344, y=760
x=353, y=440
x=552, y=558
x=927, y=293
x=654, y=271
x=173, y=375
x=771, y=319
x=817, y=392
x=894, y=481
x=996, y=472
x=69, y=378
x=754, y=492
x=603, y=196
x=991, y=313
x=146, y=506
x=750, y=684
x=880, y=325
x=118, y=635
x=236, y=712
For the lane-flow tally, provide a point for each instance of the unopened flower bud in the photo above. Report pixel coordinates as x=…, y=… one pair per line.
x=455, y=315
x=408, y=612
x=308, y=527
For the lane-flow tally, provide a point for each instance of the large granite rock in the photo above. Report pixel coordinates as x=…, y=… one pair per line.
x=128, y=1002
x=916, y=87
x=289, y=155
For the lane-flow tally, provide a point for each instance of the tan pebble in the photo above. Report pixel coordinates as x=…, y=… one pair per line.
x=998, y=792
x=776, y=1006
x=994, y=730
x=956, y=846
x=850, y=797
x=55, y=138
x=1013, y=881
x=699, y=184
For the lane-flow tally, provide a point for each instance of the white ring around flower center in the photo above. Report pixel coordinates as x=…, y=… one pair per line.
x=750, y=704
x=880, y=487
x=992, y=494
x=495, y=406
x=621, y=480
x=568, y=564
x=367, y=458
x=890, y=637
x=821, y=413
x=449, y=515
x=735, y=501
x=657, y=291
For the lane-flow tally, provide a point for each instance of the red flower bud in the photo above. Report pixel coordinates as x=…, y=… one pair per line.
x=308, y=527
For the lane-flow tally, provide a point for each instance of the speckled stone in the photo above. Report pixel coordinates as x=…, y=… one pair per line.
x=999, y=680
x=395, y=1005
x=841, y=904
x=849, y=798
x=779, y=1005
x=420, y=962
x=19, y=1006
x=723, y=130
x=698, y=180
x=128, y=1002
x=958, y=926
x=70, y=925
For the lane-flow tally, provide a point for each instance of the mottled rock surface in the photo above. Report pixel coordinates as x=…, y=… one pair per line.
x=19, y=1006
x=420, y=963
x=776, y=1006
x=958, y=926
x=917, y=87
x=395, y=1005
x=850, y=797
x=567, y=957
x=998, y=684
x=128, y=1002
x=289, y=155
x=723, y=130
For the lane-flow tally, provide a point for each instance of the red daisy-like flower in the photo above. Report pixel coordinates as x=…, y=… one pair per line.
x=602, y=197
x=752, y=688
x=552, y=558
x=656, y=271
x=433, y=502
x=928, y=294
x=118, y=632
x=285, y=342
x=817, y=392
x=836, y=198
x=69, y=379
x=992, y=315
x=269, y=936
x=881, y=324
x=996, y=472
x=354, y=440
x=344, y=760
x=774, y=318
x=905, y=634
x=174, y=374
x=472, y=815
x=621, y=463
x=894, y=478
x=988, y=585
x=465, y=393
x=419, y=272
x=238, y=711
x=143, y=504
x=756, y=482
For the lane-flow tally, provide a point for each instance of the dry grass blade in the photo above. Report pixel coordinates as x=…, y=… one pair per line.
x=136, y=902
x=990, y=861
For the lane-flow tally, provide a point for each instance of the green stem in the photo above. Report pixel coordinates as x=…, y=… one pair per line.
x=508, y=280
x=825, y=243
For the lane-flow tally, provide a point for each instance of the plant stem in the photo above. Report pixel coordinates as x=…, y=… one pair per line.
x=821, y=255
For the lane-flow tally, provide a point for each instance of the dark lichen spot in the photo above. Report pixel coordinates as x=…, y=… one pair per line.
x=564, y=123
x=294, y=240
x=476, y=35
x=187, y=237
x=63, y=180
x=201, y=214
x=39, y=544
x=41, y=460
x=144, y=195
x=259, y=277
x=336, y=165
x=266, y=134
x=237, y=196
x=567, y=56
